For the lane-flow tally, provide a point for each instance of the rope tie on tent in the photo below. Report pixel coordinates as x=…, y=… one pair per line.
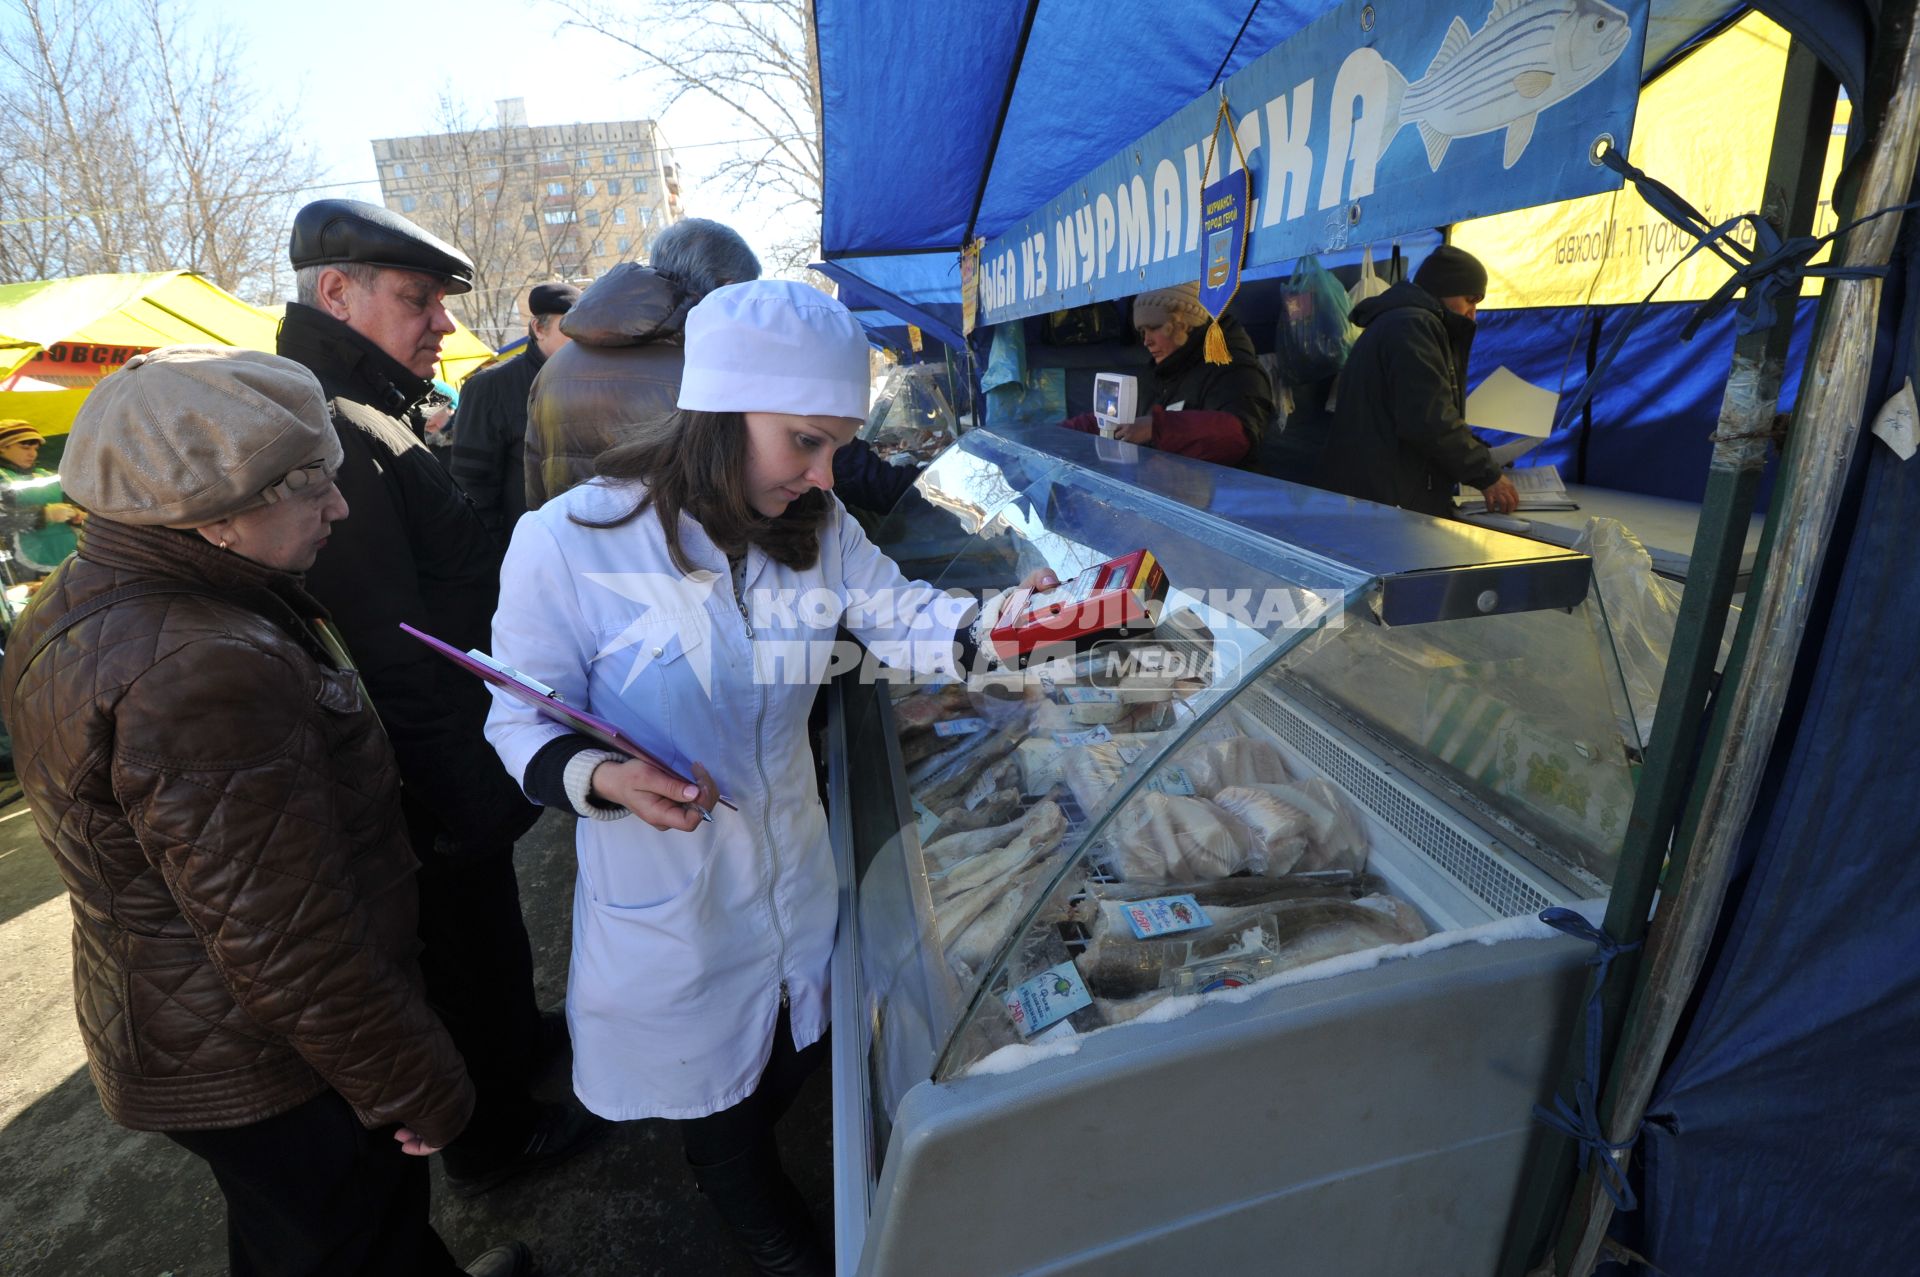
x=1580, y=1121
x=1770, y=272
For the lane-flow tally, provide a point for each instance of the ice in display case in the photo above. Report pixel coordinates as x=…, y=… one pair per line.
x=1163, y=949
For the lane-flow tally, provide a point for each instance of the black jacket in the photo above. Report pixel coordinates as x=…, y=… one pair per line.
x=864, y=480
x=1241, y=388
x=410, y=549
x=1399, y=430
x=489, y=438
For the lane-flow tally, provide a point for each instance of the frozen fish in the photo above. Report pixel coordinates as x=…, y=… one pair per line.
x=1337, y=839
x=1290, y=934
x=996, y=808
x=1205, y=770
x=1040, y=831
x=1251, y=890
x=919, y=713
x=1280, y=829
x=948, y=776
x=1159, y=837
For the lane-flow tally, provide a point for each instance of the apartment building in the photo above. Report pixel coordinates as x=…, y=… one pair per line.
x=553, y=202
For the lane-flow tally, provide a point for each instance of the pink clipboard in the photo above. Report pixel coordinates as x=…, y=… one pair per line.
x=547, y=702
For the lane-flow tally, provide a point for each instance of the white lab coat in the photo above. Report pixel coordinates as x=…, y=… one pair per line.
x=682, y=942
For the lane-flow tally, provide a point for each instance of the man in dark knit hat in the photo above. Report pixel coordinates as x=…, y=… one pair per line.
x=1400, y=434
x=368, y=322
x=490, y=427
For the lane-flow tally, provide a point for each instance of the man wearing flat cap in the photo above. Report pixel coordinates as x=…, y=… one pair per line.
x=225, y=811
x=1400, y=432
x=368, y=321
x=490, y=427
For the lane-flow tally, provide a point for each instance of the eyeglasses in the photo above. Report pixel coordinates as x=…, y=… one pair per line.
x=310, y=477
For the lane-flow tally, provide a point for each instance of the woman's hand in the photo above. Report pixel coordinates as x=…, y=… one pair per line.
x=61, y=512
x=1139, y=430
x=654, y=796
x=1039, y=579
x=412, y=1145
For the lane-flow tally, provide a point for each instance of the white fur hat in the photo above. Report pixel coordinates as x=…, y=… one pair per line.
x=774, y=345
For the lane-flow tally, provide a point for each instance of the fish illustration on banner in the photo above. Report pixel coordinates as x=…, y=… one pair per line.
x=1528, y=56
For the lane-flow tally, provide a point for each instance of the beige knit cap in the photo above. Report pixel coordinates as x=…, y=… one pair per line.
x=183, y=436
x=1180, y=301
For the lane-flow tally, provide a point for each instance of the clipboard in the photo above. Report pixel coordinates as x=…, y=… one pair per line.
x=548, y=704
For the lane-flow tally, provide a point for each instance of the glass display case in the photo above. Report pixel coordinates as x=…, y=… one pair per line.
x=1352, y=737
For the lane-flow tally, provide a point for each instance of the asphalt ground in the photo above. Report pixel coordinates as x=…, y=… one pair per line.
x=79, y=1195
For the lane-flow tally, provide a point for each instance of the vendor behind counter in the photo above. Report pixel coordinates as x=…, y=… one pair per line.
x=1211, y=412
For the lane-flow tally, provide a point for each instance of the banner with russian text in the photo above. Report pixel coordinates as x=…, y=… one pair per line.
x=1370, y=123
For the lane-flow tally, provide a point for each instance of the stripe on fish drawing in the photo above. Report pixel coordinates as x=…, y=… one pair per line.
x=1528, y=56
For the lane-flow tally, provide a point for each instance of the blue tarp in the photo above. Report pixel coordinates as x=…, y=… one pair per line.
x=912, y=95
x=1781, y=1136
x=916, y=288
x=1656, y=409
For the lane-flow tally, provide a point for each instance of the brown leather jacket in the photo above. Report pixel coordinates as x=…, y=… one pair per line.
x=621, y=368
x=225, y=810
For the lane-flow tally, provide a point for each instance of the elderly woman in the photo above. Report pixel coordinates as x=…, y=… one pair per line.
x=1212, y=412
x=225, y=810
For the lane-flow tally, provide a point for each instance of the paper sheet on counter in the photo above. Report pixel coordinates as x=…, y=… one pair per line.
x=1506, y=401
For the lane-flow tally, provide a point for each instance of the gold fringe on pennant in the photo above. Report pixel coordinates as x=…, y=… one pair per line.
x=1217, y=344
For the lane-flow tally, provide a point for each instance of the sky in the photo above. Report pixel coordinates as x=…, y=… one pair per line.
x=354, y=70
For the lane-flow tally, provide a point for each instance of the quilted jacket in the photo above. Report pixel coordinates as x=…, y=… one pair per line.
x=225, y=811
x=621, y=368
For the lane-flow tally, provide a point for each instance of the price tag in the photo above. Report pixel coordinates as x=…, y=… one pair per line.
x=1051, y=996
x=1173, y=782
x=1079, y=694
x=1092, y=736
x=982, y=789
x=959, y=726
x=1163, y=916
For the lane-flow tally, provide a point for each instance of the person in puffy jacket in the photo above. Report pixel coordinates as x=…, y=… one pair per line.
x=1211, y=412
x=225, y=810
x=622, y=366
x=1400, y=432
x=691, y=596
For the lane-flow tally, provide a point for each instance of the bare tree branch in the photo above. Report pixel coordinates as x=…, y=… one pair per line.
x=129, y=144
x=756, y=59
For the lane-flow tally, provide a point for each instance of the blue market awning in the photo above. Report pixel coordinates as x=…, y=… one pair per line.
x=947, y=120
x=922, y=289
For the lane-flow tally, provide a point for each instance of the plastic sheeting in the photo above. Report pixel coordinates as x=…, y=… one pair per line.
x=1658, y=406
x=1780, y=1139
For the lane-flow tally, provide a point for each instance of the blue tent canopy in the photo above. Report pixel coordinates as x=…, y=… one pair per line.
x=945, y=122
x=940, y=120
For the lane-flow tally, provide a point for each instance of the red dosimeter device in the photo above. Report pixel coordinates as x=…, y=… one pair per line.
x=1119, y=595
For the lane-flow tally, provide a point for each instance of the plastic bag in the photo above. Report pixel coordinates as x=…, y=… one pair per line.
x=1314, y=334
x=1369, y=284
x=1641, y=608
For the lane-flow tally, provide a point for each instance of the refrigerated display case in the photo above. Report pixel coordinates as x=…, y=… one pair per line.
x=1217, y=943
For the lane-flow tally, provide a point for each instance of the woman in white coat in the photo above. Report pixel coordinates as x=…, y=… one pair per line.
x=692, y=595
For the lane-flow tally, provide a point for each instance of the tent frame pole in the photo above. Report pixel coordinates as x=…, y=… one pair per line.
x=1803, y=122
x=1828, y=423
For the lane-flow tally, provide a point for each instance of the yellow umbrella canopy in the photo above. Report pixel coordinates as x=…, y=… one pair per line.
x=59, y=337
